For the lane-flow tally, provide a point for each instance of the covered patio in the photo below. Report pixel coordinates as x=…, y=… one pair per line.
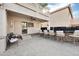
x=35, y=45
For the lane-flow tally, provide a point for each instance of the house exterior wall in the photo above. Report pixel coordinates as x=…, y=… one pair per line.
x=74, y=22
x=3, y=22
x=60, y=18
x=45, y=24
x=15, y=24
x=3, y=29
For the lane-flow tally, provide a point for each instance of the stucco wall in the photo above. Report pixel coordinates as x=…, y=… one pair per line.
x=3, y=29
x=45, y=24
x=60, y=18
x=32, y=30
x=15, y=23
x=3, y=22
x=74, y=22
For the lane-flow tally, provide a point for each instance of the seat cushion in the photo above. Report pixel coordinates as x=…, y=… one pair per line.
x=13, y=40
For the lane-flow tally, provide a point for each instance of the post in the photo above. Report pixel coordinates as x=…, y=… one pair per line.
x=3, y=29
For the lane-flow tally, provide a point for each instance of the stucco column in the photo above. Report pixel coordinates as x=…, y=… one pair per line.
x=3, y=29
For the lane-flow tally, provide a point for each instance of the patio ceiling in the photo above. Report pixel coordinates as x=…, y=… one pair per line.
x=26, y=11
x=32, y=18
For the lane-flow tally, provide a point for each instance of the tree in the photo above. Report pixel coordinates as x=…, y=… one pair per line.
x=43, y=4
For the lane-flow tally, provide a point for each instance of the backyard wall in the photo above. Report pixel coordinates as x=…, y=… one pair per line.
x=60, y=18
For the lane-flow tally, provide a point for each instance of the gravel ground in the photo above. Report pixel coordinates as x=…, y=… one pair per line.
x=40, y=46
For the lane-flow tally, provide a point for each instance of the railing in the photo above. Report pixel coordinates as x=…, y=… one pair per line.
x=65, y=29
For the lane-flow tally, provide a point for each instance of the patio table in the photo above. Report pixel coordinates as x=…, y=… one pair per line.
x=75, y=38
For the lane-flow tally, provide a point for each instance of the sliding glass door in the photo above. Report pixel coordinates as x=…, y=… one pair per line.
x=25, y=25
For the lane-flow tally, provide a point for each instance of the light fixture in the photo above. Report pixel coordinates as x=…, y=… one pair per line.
x=1, y=5
x=33, y=18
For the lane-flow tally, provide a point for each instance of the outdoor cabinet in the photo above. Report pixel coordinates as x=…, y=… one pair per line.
x=2, y=44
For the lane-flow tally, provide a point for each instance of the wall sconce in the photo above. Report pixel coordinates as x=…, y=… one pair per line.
x=33, y=18
x=1, y=5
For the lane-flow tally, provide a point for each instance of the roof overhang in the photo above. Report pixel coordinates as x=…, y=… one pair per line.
x=31, y=18
x=44, y=16
x=14, y=7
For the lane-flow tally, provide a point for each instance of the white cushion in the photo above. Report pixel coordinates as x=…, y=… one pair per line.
x=13, y=40
x=51, y=32
x=45, y=32
x=60, y=33
x=40, y=31
x=76, y=32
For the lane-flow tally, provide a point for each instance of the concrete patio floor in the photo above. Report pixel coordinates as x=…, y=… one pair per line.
x=39, y=46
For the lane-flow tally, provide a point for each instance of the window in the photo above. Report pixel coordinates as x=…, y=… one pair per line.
x=30, y=25
x=27, y=24
x=23, y=25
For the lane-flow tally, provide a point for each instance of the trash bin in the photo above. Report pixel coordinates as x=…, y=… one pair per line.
x=2, y=44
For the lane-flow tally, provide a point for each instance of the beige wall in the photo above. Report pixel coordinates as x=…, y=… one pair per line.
x=3, y=29
x=14, y=24
x=32, y=30
x=3, y=22
x=60, y=18
x=45, y=24
x=15, y=21
x=74, y=22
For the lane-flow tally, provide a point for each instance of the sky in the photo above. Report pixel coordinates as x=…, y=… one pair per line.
x=75, y=10
x=74, y=7
x=55, y=6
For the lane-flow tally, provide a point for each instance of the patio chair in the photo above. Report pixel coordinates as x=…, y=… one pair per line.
x=46, y=33
x=12, y=38
x=60, y=35
x=75, y=36
x=51, y=34
x=41, y=33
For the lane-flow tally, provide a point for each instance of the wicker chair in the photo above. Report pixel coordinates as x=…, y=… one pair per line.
x=51, y=34
x=75, y=36
x=46, y=33
x=60, y=35
x=12, y=38
x=41, y=33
